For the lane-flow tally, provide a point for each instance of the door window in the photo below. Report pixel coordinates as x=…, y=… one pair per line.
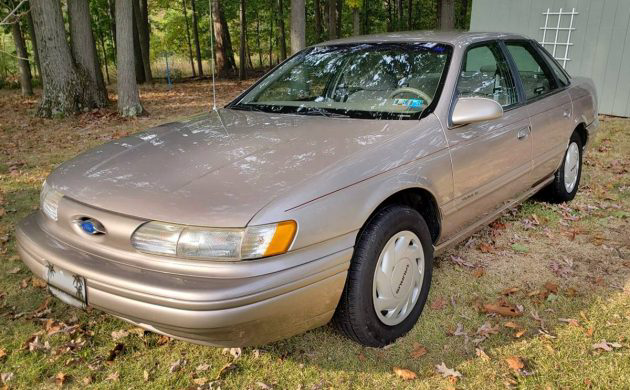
x=561, y=75
x=535, y=74
x=485, y=73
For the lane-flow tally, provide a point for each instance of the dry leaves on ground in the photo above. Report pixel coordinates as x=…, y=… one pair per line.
x=447, y=372
x=418, y=351
x=606, y=346
x=405, y=373
x=515, y=363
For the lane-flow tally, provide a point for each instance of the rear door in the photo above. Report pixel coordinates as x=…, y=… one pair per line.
x=549, y=106
x=491, y=159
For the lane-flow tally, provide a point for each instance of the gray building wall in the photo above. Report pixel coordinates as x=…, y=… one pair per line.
x=601, y=39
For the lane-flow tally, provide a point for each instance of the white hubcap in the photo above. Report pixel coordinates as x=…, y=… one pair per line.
x=398, y=278
x=571, y=167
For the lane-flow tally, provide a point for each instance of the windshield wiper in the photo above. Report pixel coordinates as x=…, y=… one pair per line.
x=320, y=111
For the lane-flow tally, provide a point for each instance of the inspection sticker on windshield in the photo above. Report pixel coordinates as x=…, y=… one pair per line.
x=411, y=103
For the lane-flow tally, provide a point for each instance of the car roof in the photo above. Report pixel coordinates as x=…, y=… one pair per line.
x=455, y=38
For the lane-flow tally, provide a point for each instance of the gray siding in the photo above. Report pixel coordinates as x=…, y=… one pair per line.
x=601, y=39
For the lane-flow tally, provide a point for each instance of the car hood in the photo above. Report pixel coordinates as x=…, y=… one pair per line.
x=218, y=169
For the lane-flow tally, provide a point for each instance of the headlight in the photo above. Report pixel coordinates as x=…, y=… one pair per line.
x=49, y=201
x=209, y=243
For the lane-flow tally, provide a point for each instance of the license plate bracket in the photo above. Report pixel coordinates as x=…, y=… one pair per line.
x=67, y=286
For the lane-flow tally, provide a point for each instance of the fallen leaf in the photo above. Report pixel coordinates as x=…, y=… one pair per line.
x=229, y=367
x=606, y=346
x=512, y=325
x=484, y=247
x=177, y=365
x=405, y=373
x=119, y=334
x=510, y=291
x=146, y=376
x=137, y=331
x=113, y=377
x=6, y=377
x=202, y=367
x=479, y=272
x=418, y=351
x=438, y=304
x=515, y=363
x=39, y=283
x=551, y=287
x=200, y=381
x=447, y=372
x=14, y=271
x=3, y=353
x=60, y=379
x=263, y=385
x=520, y=333
x=235, y=352
x=482, y=354
x=502, y=308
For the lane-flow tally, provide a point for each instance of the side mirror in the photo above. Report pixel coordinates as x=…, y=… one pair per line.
x=475, y=109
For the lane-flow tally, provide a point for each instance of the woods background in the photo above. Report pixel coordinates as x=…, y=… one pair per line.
x=74, y=48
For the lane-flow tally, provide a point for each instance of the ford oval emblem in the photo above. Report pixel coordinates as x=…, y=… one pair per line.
x=91, y=226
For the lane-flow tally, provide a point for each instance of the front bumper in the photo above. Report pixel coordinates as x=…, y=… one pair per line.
x=222, y=311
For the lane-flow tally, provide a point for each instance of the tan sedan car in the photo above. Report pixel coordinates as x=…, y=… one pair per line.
x=322, y=192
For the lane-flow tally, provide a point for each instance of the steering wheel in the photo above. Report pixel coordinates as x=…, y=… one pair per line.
x=415, y=91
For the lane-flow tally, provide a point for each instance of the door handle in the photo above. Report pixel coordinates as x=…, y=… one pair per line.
x=523, y=133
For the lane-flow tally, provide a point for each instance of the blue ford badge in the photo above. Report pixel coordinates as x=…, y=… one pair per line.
x=91, y=226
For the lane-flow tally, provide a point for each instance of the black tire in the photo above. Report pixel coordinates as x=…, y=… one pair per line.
x=556, y=192
x=355, y=315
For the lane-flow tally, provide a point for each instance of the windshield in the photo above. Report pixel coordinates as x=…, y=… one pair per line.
x=360, y=80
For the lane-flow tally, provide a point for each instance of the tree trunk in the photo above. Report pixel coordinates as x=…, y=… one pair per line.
x=298, y=26
x=390, y=24
x=25, y=68
x=271, y=34
x=338, y=16
x=225, y=64
x=84, y=50
x=463, y=15
x=447, y=14
x=190, y=53
x=102, y=42
x=112, y=20
x=64, y=88
x=332, y=20
x=258, y=44
x=128, y=97
x=195, y=23
x=318, y=20
x=283, y=35
x=143, y=38
x=242, y=55
x=366, y=17
x=356, y=22
x=399, y=22
x=140, y=79
x=31, y=33
x=409, y=18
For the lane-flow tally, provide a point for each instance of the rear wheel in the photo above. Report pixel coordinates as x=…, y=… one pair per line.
x=567, y=178
x=389, y=278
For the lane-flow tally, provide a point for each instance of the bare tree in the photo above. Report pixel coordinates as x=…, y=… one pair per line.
x=298, y=26
x=447, y=14
x=195, y=23
x=242, y=69
x=318, y=20
x=356, y=21
x=128, y=97
x=26, y=78
x=84, y=49
x=143, y=38
x=190, y=53
x=332, y=20
x=65, y=91
x=223, y=54
x=283, y=35
x=31, y=33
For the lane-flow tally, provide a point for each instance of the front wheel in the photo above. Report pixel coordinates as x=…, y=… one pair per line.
x=389, y=278
x=567, y=177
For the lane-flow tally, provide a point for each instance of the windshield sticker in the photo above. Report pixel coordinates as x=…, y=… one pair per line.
x=410, y=103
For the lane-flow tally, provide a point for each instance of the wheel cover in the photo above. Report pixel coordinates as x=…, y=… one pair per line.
x=571, y=167
x=398, y=278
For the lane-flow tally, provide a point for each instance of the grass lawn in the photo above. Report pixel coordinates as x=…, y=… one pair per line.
x=565, y=268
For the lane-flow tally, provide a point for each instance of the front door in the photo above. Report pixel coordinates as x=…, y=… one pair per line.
x=549, y=107
x=491, y=159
